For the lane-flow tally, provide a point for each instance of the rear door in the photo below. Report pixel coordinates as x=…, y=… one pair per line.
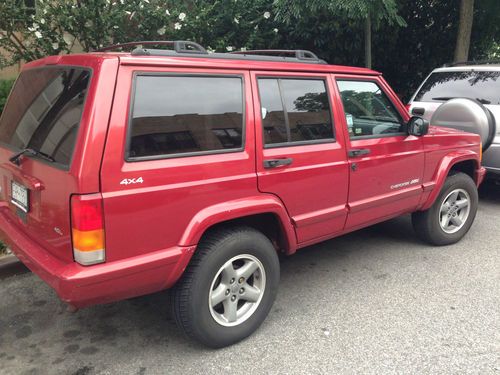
x=49, y=110
x=300, y=156
x=386, y=164
x=180, y=145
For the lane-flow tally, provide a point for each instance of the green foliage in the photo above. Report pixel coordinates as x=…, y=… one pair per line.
x=5, y=86
x=3, y=248
x=379, y=10
x=57, y=26
x=333, y=29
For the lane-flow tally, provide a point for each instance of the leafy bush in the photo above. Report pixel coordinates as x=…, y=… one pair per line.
x=3, y=248
x=5, y=86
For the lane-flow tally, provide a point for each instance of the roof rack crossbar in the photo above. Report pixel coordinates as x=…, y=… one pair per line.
x=299, y=54
x=179, y=46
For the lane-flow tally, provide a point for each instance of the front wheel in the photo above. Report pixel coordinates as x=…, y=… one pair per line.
x=229, y=287
x=451, y=215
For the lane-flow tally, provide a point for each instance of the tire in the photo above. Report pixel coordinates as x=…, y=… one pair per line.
x=442, y=228
x=215, y=324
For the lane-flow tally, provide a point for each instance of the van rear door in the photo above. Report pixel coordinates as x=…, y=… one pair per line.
x=46, y=123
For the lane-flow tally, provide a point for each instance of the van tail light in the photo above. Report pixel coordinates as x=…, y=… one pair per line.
x=87, y=229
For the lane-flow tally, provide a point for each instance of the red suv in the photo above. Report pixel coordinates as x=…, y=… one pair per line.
x=123, y=174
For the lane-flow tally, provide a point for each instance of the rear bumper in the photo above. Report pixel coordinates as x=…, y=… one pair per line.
x=83, y=286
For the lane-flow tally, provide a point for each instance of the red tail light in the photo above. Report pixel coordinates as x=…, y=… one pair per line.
x=408, y=106
x=87, y=229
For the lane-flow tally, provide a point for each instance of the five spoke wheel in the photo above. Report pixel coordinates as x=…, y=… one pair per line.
x=454, y=211
x=237, y=290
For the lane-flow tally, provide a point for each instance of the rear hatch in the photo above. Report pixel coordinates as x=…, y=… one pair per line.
x=478, y=83
x=42, y=117
x=448, y=83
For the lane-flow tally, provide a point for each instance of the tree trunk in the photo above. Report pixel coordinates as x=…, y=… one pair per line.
x=464, y=30
x=368, y=42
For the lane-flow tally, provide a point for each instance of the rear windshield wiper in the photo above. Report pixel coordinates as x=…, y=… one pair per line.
x=31, y=152
x=444, y=98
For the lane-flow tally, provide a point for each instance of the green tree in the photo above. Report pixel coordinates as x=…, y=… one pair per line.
x=57, y=26
x=370, y=13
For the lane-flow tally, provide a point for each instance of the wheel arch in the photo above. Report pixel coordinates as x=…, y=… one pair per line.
x=265, y=213
x=465, y=161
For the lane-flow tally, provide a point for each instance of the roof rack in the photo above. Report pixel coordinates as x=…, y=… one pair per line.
x=180, y=46
x=476, y=62
x=184, y=48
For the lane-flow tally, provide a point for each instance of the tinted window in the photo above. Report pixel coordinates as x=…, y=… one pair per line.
x=183, y=114
x=480, y=85
x=368, y=111
x=44, y=111
x=294, y=110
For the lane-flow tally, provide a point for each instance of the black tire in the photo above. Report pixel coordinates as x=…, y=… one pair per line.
x=190, y=296
x=426, y=223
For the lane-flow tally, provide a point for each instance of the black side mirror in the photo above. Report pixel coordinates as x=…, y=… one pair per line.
x=417, y=126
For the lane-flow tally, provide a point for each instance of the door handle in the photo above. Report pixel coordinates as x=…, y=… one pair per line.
x=273, y=163
x=356, y=153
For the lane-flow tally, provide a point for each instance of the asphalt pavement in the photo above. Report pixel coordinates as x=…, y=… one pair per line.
x=377, y=301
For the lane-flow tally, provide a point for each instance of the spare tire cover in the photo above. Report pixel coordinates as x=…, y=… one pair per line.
x=468, y=115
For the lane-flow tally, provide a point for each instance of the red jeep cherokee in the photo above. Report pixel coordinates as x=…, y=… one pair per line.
x=123, y=174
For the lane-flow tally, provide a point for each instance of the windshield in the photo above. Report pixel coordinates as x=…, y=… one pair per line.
x=44, y=111
x=483, y=86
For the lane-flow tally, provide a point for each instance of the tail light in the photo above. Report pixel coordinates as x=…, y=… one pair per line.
x=87, y=229
x=408, y=107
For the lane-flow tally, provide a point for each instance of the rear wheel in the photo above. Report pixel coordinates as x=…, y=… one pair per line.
x=451, y=215
x=229, y=287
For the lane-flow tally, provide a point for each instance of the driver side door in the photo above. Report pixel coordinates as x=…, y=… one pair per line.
x=385, y=163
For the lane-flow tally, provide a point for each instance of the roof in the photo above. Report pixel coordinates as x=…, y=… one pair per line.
x=466, y=68
x=205, y=62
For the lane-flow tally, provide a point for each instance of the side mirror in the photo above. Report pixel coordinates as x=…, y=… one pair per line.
x=417, y=126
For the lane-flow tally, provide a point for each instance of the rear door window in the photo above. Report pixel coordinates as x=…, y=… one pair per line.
x=185, y=115
x=44, y=111
x=483, y=86
x=295, y=111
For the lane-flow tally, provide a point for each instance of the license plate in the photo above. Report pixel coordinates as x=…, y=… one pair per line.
x=20, y=196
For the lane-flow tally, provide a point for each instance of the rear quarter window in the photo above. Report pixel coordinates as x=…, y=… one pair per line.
x=483, y=86
x=176, y=116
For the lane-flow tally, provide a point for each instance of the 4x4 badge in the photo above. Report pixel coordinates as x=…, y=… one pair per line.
x=128, y=181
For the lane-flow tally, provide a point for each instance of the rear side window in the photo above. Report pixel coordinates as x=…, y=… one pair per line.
x=178, y=115
x=44, y=111
x=295, y=111
x=480, y=85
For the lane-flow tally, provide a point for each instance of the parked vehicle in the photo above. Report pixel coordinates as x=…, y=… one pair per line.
x=124, y=174
x=475, y=81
